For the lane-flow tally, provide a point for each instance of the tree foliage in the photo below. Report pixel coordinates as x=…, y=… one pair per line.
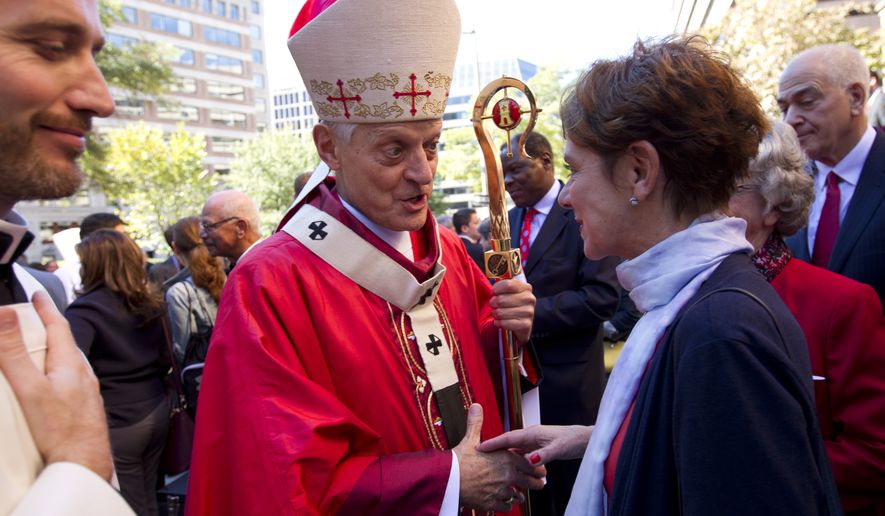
x=266, y=167
x=547, y=87
x=157, y=178
x=461, y=159
x=761, y=36
x=140, y=68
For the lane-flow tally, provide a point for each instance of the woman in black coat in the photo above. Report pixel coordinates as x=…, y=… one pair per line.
x=117, y=322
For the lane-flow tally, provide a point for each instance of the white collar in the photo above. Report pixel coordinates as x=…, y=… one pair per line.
x=398, y=240
x=546, y=203
x=16, y=228
x=851, y=165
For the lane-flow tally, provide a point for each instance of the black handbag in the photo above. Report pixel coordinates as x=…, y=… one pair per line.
x=180, y=439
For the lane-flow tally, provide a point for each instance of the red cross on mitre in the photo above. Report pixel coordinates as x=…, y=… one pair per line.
x=412, y=94
x=343, y=99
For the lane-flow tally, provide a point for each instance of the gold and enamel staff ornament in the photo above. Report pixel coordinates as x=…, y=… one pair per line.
x=502, y=262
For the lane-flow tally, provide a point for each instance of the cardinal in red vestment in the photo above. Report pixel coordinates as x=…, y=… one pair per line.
x=352, y=361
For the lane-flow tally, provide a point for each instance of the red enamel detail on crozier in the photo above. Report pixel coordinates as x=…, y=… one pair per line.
x=506, y=114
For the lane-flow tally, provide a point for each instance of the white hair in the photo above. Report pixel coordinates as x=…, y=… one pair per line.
x=343, y=130
x=779, y=171
x=844, y=65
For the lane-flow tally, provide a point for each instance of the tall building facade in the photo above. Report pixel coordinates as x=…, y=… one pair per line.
x=293, y=110
x=218, y=59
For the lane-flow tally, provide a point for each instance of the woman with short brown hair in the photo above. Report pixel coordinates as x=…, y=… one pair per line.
x=709, y=408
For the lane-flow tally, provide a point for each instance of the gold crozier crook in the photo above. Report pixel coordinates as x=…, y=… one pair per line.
x=502, y=262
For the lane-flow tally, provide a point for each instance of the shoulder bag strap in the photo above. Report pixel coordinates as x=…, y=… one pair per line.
x=176, y=374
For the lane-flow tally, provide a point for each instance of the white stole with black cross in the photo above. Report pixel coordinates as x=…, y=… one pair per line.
x=363, y=263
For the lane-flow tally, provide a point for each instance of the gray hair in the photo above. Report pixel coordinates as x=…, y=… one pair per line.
x=779, y=171
x=844, y=65
x=343, y=130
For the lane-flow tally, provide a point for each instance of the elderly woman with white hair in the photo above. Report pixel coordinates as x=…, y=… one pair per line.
x=841, y=318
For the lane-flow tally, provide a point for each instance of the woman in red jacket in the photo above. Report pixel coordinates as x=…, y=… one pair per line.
x=841, y=318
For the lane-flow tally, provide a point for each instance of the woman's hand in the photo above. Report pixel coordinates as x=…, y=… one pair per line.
x=543, y=443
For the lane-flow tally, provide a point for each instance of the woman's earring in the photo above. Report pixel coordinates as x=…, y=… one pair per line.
x=634, y=201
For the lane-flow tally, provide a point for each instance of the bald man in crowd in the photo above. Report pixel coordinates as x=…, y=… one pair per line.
x=230, y=224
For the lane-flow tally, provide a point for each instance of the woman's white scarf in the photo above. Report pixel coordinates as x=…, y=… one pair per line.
x=660, y=281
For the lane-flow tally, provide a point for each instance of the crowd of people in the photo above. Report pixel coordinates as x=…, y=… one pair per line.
x=349, y=362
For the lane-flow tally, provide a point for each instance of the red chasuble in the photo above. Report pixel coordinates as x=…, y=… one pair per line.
x=314, y=398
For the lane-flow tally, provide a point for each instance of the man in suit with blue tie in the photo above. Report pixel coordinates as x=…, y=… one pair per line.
x=822, y=94
x=574, y=296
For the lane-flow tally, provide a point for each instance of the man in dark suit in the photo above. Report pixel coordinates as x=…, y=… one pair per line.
x=574, y=296
x=822, y=94
x=466, y=223
x=159, y=273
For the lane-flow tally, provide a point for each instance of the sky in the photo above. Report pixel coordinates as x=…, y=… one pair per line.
x=568, y=33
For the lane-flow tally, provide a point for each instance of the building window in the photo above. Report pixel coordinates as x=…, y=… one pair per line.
x=120, y=41
x=227, y=118
x=234, y=12
x=224, y=64
x=221, y=36
x=185, y=56
x=225, y=91
x=131, y=15
x=224, y=143
x=220, y=9
x=128, y=106
x=259, y=80
x=260, y=105
x=170, y=24
x=256, y=7
x=257, y=56
x=207, y=6
x=255, y=31
x=185, y=3
x=184, y=85
x=183, y=113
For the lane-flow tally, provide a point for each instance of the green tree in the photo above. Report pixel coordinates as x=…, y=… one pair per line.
x=266, y=167
x=547, y=87
x=139, y=69
x=460, y=159
x=158, y=178
x=761, y=36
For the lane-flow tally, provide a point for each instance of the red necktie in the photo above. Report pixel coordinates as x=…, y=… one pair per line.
x=526, y=234
x=828, y=224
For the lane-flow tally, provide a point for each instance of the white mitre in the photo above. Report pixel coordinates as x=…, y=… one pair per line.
x=375, y=61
